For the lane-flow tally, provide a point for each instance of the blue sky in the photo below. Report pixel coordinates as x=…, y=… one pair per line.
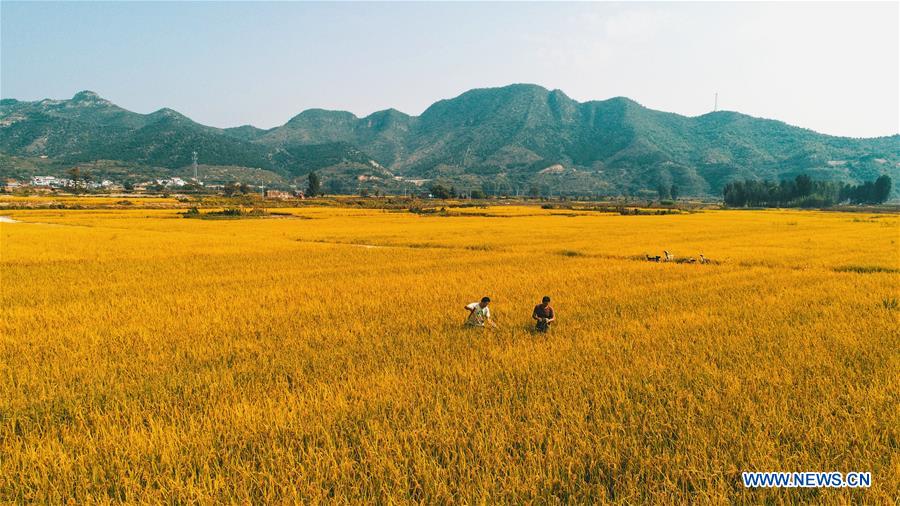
x=830, y=67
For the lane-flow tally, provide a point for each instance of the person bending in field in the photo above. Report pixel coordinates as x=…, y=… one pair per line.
x=543, y=315
x=480, y=314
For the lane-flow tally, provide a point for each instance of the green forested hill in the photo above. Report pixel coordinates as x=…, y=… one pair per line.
x=500, y=138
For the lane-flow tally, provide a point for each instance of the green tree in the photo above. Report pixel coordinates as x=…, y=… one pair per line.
x=882, y=189
x=75, y=175
x=233, y=188
x=334, y=186
x=804, y=185
x=79, y=178
x=313, y=186
x=440, y=191
x=662, y=191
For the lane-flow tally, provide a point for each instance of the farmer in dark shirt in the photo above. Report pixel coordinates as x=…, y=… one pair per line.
x=543, y=314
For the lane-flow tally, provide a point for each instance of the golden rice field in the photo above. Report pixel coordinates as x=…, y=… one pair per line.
x=321, y=358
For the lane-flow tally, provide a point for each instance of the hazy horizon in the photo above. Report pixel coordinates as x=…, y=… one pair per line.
x=232, y=64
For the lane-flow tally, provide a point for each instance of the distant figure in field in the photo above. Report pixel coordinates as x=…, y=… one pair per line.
x=480, y=314
x=543, y=314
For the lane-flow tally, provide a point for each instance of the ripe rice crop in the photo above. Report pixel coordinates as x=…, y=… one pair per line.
x=147, y=357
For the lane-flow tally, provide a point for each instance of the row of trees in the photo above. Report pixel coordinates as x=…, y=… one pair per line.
x=803, y=191
x=665, y=192
x=535, y=190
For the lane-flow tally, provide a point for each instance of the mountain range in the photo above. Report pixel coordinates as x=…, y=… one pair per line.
x=497, y=139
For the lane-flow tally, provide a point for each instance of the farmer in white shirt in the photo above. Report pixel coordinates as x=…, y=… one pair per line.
x=480, y=314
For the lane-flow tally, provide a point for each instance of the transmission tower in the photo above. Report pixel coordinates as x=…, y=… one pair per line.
x=716, y=102
x=194, y=163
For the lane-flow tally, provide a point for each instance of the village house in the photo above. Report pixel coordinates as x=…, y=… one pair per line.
x=278, y=194
x=108, y=185
x=170, y=182
x=45, y=181
x=10, y=185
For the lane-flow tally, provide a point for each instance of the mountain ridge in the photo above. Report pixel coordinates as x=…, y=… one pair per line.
x=503, y=137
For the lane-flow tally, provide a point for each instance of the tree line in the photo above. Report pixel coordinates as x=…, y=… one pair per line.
x=803, y=191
